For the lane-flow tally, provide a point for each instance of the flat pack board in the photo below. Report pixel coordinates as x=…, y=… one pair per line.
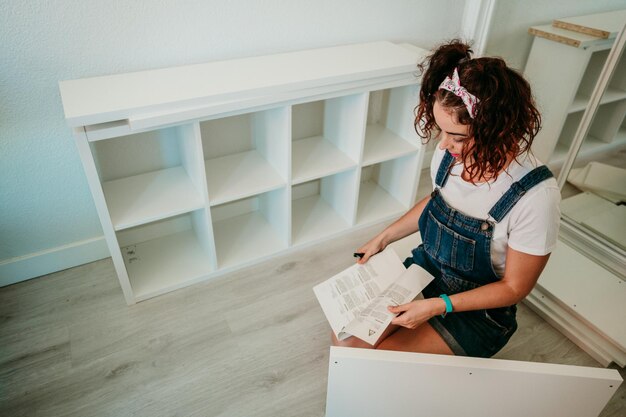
x=567, y=37
x=374, y=383
x=116, y=97
x=584, y=287
x=603, y=25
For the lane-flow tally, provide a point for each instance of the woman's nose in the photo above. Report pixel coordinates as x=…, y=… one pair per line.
x=444, y=142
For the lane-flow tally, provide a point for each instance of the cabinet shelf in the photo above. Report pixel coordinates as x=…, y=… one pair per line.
x=167, y=254
x=245, y=154
x=156, y=274
x=241, y=175
x=376, y=203
x=611, y=95
x=316, y=157
x=250, y=228
x=152, y=196
x=323, y=207
x=314, y=218
x=381, y=144
x=383, y=190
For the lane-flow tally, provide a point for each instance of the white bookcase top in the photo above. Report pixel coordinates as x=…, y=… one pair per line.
x=116, y=97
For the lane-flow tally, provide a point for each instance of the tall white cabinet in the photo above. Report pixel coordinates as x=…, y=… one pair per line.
x=199, y=170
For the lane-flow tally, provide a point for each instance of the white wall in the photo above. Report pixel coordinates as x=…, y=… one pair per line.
x=47, y=218
x=509, y=37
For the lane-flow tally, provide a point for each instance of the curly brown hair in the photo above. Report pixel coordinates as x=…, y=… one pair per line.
x=506, y=119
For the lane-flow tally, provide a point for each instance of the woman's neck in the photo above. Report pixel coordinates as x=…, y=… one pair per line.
x=487, y=175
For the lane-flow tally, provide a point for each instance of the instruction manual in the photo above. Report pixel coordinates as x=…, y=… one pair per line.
x=355, y=300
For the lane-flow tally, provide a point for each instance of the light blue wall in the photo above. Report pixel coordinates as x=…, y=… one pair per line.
x=44, y=199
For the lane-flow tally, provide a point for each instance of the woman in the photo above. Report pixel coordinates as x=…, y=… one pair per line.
x=492, y=220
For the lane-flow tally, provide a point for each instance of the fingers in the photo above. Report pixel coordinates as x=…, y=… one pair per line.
x=399, y=308
x=363, y=259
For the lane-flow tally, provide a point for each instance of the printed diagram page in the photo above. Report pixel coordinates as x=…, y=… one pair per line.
x=372, y=321
x=343, y=296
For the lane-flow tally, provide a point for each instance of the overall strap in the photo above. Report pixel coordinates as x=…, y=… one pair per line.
x=444, y=169
x=517, y=190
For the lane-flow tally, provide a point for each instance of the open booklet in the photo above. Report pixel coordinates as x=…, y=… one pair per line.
x=355, y=300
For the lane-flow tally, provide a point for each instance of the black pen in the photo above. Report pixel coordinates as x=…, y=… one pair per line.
x=359, y=255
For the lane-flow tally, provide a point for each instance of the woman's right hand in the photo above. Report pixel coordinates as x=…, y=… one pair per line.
x=370, y=249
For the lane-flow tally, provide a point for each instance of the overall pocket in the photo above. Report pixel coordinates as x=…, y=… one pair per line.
x=502, y=319
x=448, y=247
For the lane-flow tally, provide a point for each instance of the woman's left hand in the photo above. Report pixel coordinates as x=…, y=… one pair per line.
x=413, y=314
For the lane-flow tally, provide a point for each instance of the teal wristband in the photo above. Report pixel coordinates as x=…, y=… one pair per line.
x=446, y=300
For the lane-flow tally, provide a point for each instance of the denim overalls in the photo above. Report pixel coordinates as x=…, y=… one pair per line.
x=456, y=250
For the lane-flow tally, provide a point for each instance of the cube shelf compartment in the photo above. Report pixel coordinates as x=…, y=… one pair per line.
x=327, y=136
x=604, y=133
x=323, y=207
x=149, y=176
x=167, y=254
x=245, y=154
x=192, y=186
x=384, y=192
x=615, y=91
x=389, y=133
x=251, y=228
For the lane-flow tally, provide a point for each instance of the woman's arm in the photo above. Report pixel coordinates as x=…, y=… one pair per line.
x=404, y=226
x=520, y=276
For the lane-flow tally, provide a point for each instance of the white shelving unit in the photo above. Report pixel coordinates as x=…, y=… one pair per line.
x=563, y=86
x=199, y=170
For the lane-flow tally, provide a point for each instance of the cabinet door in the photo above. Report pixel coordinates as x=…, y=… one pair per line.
x=374, y=383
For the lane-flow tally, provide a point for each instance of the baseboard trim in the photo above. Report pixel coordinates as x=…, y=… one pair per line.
x=34, y=265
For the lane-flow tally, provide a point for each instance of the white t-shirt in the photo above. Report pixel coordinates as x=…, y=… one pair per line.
x=532, y=224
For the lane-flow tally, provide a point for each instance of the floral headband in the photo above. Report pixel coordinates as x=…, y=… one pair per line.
x=454, y=85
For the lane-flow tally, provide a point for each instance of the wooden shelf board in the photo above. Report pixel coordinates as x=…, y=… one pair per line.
x=243, y=238
x=567, y=37
x=314, y=218
x=316, y=157
x=240, y=175
x=376, y=203
x=381, y=144
x=603, y=25
x=611, y=95
x=584, y=287
x=148, y=197
x=166, y=264
x=590, y=147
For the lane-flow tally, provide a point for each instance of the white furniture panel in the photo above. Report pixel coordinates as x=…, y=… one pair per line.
x=365, y=382
x=95, y=100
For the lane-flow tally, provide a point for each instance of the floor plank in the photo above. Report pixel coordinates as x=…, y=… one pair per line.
x=252, y=343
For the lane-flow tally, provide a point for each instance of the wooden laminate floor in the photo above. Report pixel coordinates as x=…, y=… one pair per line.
x=252, y=343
